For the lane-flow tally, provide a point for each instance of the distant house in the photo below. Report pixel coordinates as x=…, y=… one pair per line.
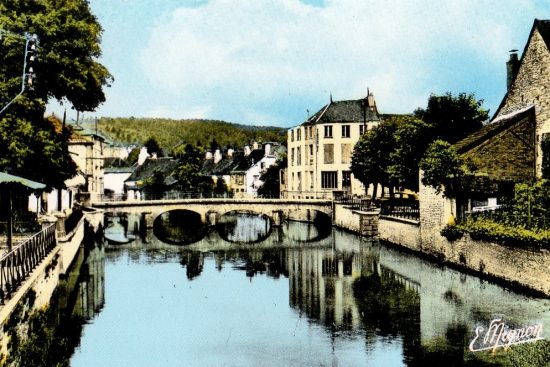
x=86, y=149
x=241, y=170
x=117, y=170
x=320, y=150
x=134, y=184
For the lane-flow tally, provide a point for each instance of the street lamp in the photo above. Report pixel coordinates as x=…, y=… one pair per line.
x=31, y=52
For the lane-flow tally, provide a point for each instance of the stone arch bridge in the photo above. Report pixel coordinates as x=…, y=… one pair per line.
x=211, y=210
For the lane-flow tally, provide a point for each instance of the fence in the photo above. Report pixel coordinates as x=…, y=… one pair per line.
x=16, y=265
x=407, y=210
x=355, y=203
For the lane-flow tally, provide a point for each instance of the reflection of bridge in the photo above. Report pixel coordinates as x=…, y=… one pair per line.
x=211, y=210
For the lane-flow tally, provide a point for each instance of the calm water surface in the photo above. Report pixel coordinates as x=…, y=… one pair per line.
x=246, y=294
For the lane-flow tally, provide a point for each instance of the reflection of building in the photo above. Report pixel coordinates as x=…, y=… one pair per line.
x=321, y=281
x=320, y=149
x=91, y=287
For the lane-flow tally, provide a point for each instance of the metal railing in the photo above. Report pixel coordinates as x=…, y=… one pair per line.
x=16, y=265
x=407, y=210
x=355, y=203
x=169, y=195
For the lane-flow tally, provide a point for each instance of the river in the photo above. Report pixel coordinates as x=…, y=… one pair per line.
x=247, y=294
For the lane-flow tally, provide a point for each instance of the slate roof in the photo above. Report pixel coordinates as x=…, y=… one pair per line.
x=345, y=111
x=150, y=166
x=117, y=165
x=236, y=164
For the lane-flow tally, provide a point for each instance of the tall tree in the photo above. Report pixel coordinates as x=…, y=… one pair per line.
x=371, y=157
x=188, y=172
x=271, y=179
x=66, y=70
x=453, y=117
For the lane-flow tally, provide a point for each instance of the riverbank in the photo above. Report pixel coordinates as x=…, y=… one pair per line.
x=36, y=291
x=524, y=268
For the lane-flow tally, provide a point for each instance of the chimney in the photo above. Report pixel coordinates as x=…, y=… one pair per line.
x=143, y=155
x=267, y=148
x=217, y=156
x=208, y=155
x=255, y=145
x=512, y=67
x=230, y=152
x=246, y=150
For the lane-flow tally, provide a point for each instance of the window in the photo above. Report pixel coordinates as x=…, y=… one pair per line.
x=346, y=153
x=311, y=180
x=305, y=133
x=328, y=179
x=291, y=135
x=292, y=157
x=299, y=181
x=345, y=131
x=329, y=153
x=310, y=132
x=328, y=131
x=298, y=134
x=361, y=129
x=298, y=156
x=346, y=179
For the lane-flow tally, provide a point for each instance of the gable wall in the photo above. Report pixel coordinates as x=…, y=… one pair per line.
x=532, y=87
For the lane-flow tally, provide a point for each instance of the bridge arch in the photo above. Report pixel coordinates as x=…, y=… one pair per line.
x=179, y=226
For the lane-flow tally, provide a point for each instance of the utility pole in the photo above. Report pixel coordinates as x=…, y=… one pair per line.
x=31, y=45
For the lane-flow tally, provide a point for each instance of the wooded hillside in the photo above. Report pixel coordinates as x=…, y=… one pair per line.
x=171, y=132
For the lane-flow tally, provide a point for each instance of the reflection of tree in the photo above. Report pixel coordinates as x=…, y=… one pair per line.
x=244, y=227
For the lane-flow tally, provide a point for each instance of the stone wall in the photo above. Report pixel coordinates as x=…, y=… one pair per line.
x=531, y=88
x=402, y=232
x=362, y=222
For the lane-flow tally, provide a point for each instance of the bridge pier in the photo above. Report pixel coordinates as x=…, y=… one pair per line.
x=212, y=218
x=278, y=218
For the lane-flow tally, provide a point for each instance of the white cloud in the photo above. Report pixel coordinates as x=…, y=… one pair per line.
x=240, y=56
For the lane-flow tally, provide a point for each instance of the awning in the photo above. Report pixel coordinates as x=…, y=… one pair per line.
x=7, y=178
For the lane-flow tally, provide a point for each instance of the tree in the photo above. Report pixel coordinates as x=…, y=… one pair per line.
x=188, y=172
x=153, y=146
x=453, y=117
x=371, y=157
x=443, y=167
x=271, y=179
x=412, y=138
x=66, y=70
x=221, y=189
x=155, y=185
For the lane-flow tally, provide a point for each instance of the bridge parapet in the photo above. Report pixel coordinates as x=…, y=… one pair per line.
x=211, y=209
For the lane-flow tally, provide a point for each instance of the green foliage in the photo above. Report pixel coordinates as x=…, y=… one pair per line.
x=482, y=228
x=531, y=204
x=155, y=185
x=371, y=157
x=452, y=232
x=221, y=189
x=271, y=179
x=133, y=156
x=153, y=146
x=443, y=167
x=170, y=133
x=66, y=69
x=412, y=138
x=545, y=146
x=453, y=117
x=188, y=172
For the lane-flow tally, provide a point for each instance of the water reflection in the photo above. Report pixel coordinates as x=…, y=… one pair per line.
x=244, y=227
x=179, y=227
x=337, y=301
x=117, y=228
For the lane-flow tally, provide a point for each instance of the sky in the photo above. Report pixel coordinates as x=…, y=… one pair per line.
x=269, y=62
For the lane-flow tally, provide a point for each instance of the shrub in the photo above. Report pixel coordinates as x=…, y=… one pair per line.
x=452, y=232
